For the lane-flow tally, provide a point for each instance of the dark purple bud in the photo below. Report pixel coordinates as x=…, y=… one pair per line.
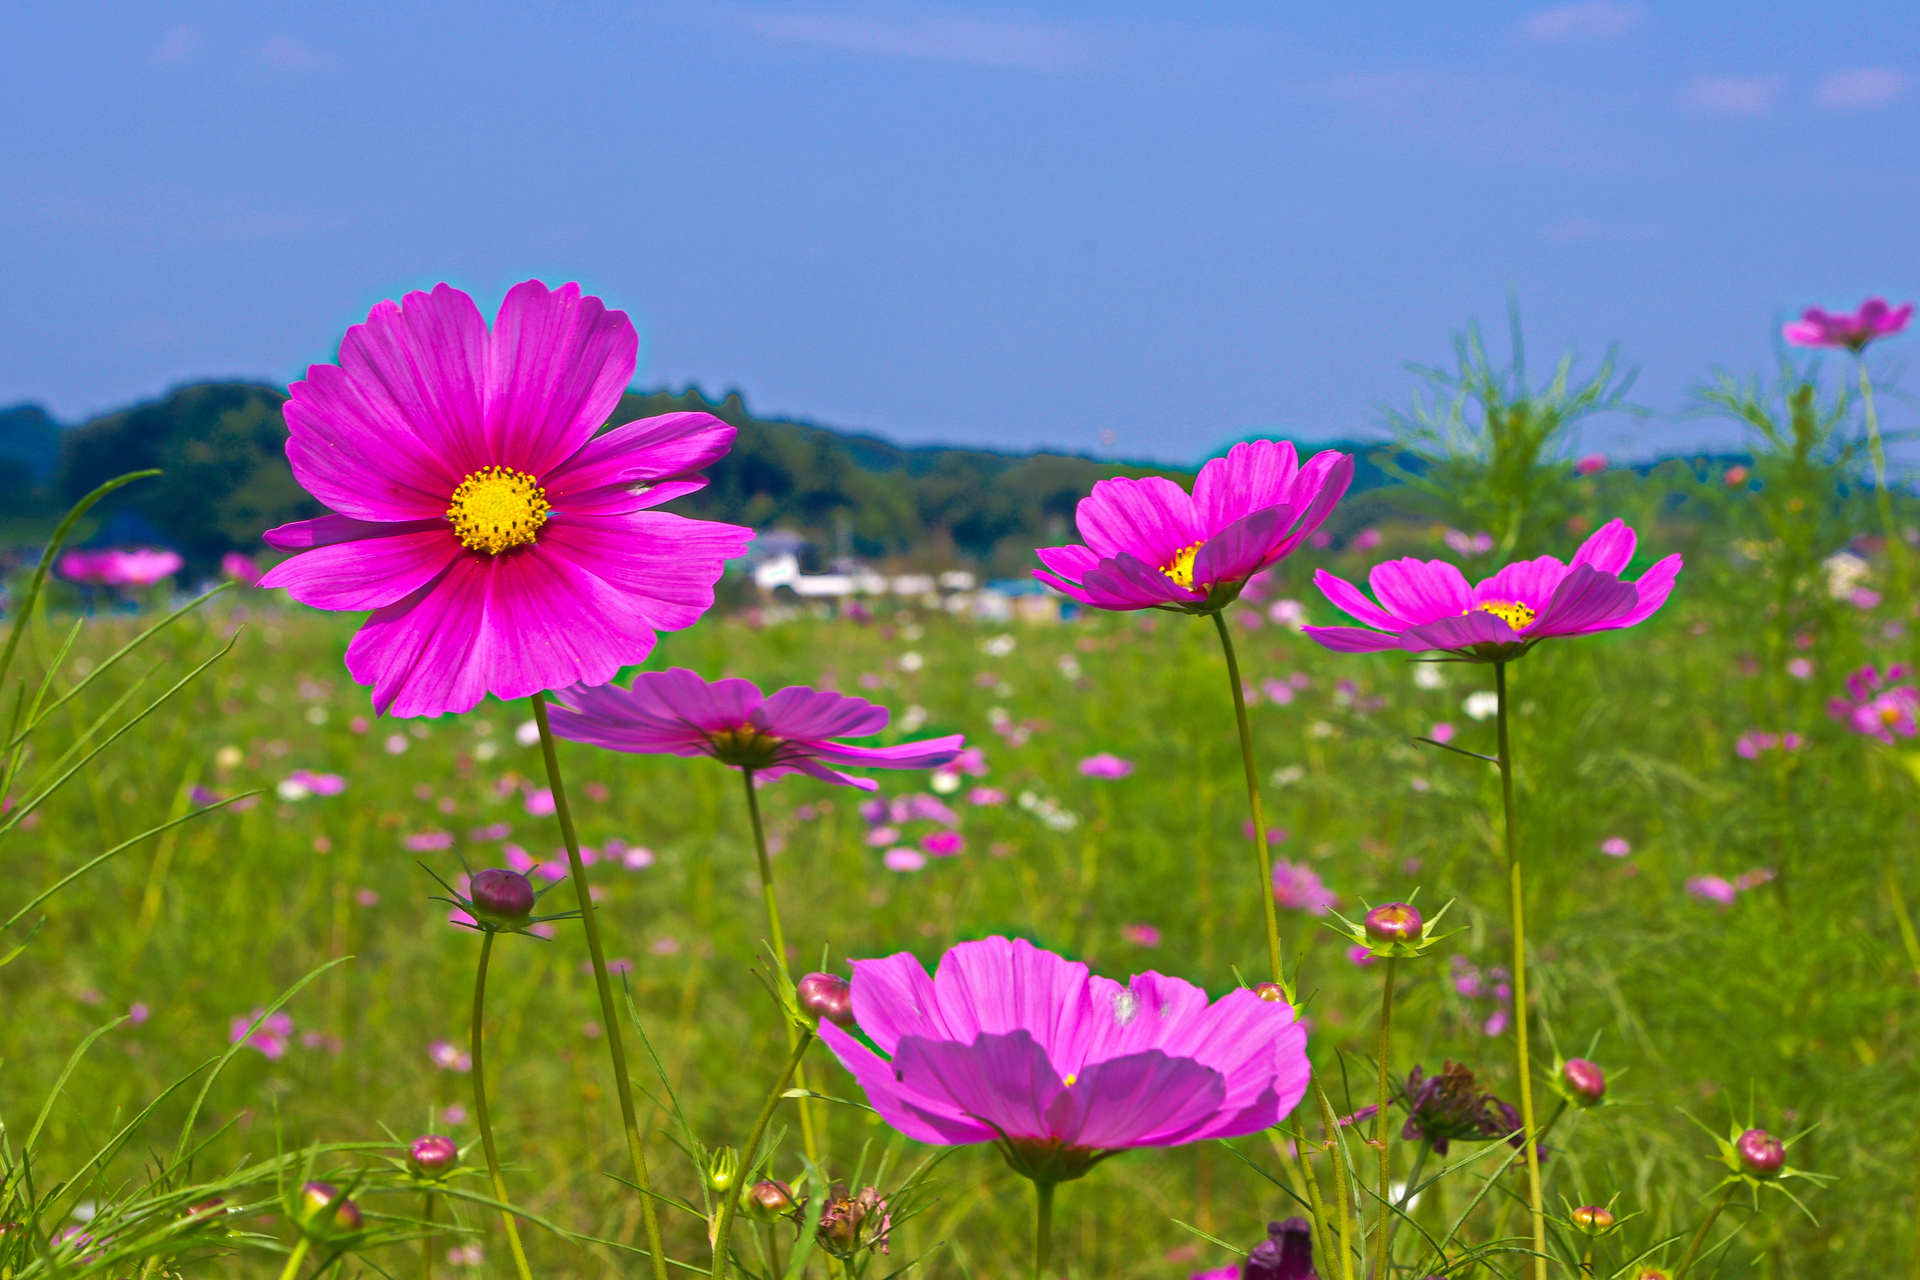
x=314, y=1199
x=1592, y=1219
x=432, y=1155
x=1394, y=922
x=1586, y=1082
x=500, y=897
x=1286, y=1253
x=826, y=995
x=1271, y=992
x=1761, y=1153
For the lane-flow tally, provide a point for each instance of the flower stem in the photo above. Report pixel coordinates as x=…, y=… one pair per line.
x=1380, y=1268
x=1042, y=1228
x=1420, y=1154
x=1517, y=912
x=480, y=1114
x=1700, y=1236
x=1339, y=1180
x=1261, y=857
x=294, y=1259
x=426, y=1241
x=779, y=943
x=609, y=1013
x=730, y=1198
x=1896, y=545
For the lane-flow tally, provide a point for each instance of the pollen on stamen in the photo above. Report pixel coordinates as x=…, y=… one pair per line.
x=1181, y=570
x=497, y=508
x=1512, y=612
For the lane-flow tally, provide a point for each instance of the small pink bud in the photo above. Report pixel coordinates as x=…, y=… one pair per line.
x=768, y=1199
x=1761, y=1153
x=1586, y=1082
x=826, y=995
x=503, y=898
x=316, y=1196
x=1271, y=992
x=1393, y=922
x=432, y=1155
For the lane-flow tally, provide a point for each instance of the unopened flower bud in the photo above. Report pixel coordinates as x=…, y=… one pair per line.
x=500, y=897
x=432, y=1156
x=1271, y=992
x=825, y=995
x=1593, y=1219
x=1652, y=1273
x=314, y=1199
x=723, y=1168
x=1586, y=1082
x=767, y=1199
x=212, y=1207
x=1393, y=922
x=1761, y=1153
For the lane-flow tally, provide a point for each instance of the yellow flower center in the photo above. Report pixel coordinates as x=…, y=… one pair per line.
x=1181, y=570
x=746, y=747
x=496, y=508
x=1070, y=1079
x=1512, y=612
x=1890, y=715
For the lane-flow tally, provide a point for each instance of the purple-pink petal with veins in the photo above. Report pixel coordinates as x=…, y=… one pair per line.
x=325, y=531
x=1586, y=600
x=1241, y=549
x=1652, y=587
x=667, y=564
x=348, y=449
x=1458, y=633
x=1316, y=491
x=1071, y=562
x=1136, y=1100
x=1152, y=518
x=1420, y=591
x=611, y=472
x=1528, y=582
x=893, y=997
x=719, y=707
x=938, y=1122
x=370, y=572
x=1353, y=639
x=928, y=753
x=1005, y=1080
x=1000, y=985
x=798, y=711
x=1072, y=591
x=417, y=652
x=1126, y=582
x=421, y=367
x=557, y=365
x=1349, y=600
x=1609, y=548
x=1254, y=475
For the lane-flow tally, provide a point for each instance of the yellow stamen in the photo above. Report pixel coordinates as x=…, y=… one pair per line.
x=1890, y=715
x=1070, y=1079
x=496, y=508
x=1512, y=612
x=1181, y=570
x=746, y=747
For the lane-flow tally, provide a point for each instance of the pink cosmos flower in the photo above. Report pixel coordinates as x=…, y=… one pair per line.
x=1873, y=708
x=1427, y=605
x=677, y=713
x=1367, y=540
x=90, y=568
x=1151, y=545
x=986, y=796
x=1140, y=935
x=1713, y=889
x=1105, y=765
x=1852, y=330
x=240, y=568
x=1615, y=847
x=1017, y=1046
x=1297, y=886
x=943, y=844
x=141, y=567
x=903, y=859
x=269, y=1038
x=1591, y=464
x=971, y=762
x=1751, y=744
x=501, y=544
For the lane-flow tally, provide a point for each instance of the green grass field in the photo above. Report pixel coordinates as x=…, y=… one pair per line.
x=1794, y=1003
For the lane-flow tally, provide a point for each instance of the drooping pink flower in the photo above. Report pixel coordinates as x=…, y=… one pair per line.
x=240, y=567
x=502, y=546
x=1298, y=887
x=1149, y=544
x=1010, y=1044
x=1105, y=765
x=1850, y=329
x=1428, y=605
x=677, y=713
x=1877, y=707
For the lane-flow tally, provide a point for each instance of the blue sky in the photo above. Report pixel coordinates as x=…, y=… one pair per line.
x=1120, y=227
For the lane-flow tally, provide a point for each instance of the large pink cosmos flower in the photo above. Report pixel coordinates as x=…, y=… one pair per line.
x=1852, y=330
x=1878, y=707
x=1151, y=545
x=677, y=713
x=1426, y=605
x=1010, y=1044
x=502, y=546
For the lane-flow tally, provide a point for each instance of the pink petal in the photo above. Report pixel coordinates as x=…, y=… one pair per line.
x=1348, y=599
x=1000, y=985
x=1135, y=1101
x=800, y=712
x=604, y=475
x=1127, y=582
x=1316, y=491
x=1528, y=582
x=942, y=1125
x=1004, y=1079
x=930, y=753
x=416, y=652
x=324, y=531
x=1241, y=549
x=556, y=366
x=1070, y=562
x=1458, y=633
x=893, y=997
x=1353, y=639
x=664, y=564
x=1254, y=475
x=1586, y=600
x=1151, y=518
x=348, y=448
x=1418, y=591
x=421, y=366
x=1609, y=549
x=369, y=573
x=1653, y=587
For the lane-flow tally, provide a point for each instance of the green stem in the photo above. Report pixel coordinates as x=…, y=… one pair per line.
x=1042, y=1228
x=1413, y=1182
x=1896, y=545
x=1380, y=1268
x=1898, y=898
x=294, y=1259
x=1307, y=1184
x=426, y=1241
x=1263, y=860
x=609, y=1013
x=730, y=1198
x=1340, y=1194
x=778, y=941
x=480, y=1114
x=1700, y=1236
x=1517, y=912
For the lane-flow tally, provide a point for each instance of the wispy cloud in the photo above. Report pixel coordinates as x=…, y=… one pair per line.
x=980, y=42
x=1862, y=89
x=1595, y=20
x=1587, y=231
x=1503, y=120
x=181, y=43
x=1733, y=95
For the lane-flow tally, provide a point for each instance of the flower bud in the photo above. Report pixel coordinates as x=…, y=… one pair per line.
x=1652, y=1273
x=314, y=1199
x=1271, y=992
x=1593, y=1219
x=722, y=1168
x=212, y=1207
x=1393, y=922
x=1761, y=1154
x=766, y=1200
x=432, y=1156
x=1586, y=1083
x=500, y=897
x=825, y=995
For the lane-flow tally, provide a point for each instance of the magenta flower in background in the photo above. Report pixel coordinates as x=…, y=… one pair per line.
x=539, y=802
x=1591, y=464
x=1140, y=935
x=502, y=546
x=971, y=761
x=1468, y=544
x=141, y=567
x=1017, y=1046
x=1275, y=835
x=449, y=1057
x=1615, y=847
x=1105, y=765
x=1367, y=540
x=1753, y=743
x=1713, y=889
x=677, y=713
x=1850, y=329
x=943, y=844
x=1151, y=545
x=986, y=796
x=89, y=568
x=903, y=859
x=1441, y=732
x=1296, y=886
x=1876, y=706
x=1428, y=605
x=240, y=568
x=269, y=1038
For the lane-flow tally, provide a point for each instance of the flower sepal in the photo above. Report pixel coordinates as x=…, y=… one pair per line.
x=497, y=917
x=1398, y=932
x=1757, y=1160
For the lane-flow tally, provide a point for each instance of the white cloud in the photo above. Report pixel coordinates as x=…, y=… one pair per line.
x=1733, y=95
x=1030, y=46
x=181, y=43
x=1595, y=20
x=1862, y=89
